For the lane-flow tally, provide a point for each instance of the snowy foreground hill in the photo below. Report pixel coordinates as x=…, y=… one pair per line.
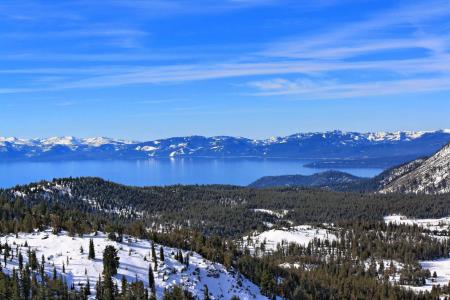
x=135, y=257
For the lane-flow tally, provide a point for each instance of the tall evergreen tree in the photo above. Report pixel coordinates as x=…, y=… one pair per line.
x=161, y=254
x=206, y=293
x=32, y=260
x=124, y=285
x=110, y=261
x=20, y=258
x=91, y=253
x=87, y=288
x=6, y=253
x=151, y=279
x=153, y=252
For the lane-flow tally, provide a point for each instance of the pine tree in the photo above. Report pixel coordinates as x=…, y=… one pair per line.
x=32, y=260
x=99, y=288
x=110, y=261
x=206, y=293
x=151, y=279
x=108, y=288
x=15, y=286
x=161, y=254
x=124, y=284
x=87, y=289
x=6, y=253
x=20, y=261
x=91, y=254
x=26, y=282
x=181, y=257
x=42, y=267
x=186, y=260
x=153, y=252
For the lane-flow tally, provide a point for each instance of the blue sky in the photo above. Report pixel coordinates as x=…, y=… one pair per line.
x=256, y=68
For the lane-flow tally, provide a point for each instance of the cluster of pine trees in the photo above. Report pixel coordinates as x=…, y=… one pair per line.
x=208, y=220
x=339, y=269
x=29, y=280
x=227, y=211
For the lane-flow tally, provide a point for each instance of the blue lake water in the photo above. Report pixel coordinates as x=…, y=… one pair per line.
x=163, y=171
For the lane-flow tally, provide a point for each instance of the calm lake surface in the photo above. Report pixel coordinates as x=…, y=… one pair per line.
x=163, y=171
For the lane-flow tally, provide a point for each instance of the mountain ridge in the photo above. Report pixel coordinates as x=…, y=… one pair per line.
x=381, y=148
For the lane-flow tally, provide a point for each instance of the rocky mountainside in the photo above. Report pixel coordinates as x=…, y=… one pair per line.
x=430, y=176
x=380, y=149
x=392, y=174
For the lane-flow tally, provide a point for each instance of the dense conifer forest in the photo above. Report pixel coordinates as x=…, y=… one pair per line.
x=212, y=220
x=223, y=210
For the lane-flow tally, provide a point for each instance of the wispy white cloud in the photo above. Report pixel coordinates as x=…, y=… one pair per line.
x=355, y=47
x=33, y=11
x=318, y=57
x=79, y=32
x=186, y=73
x=308, y=89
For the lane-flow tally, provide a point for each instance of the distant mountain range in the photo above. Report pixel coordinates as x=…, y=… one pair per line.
x=421, y=176
x=327, y=149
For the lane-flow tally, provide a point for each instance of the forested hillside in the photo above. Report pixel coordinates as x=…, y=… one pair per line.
x=346, y=251
x=223, y=210
x=344, y=182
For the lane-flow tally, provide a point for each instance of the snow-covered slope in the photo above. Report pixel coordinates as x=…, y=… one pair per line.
x=440, y=266
x=135, y=257
x=432, y=176
x=398, y=147
x=271, y=239
x=441, y=224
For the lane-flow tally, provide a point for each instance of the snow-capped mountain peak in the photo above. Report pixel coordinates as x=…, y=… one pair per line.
x=65, y=140
x=402, y=145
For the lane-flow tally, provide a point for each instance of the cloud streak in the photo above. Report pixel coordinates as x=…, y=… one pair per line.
x=307, y=89
x=306, y=66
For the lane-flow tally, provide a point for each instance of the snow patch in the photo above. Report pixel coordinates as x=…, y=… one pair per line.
x=430, y=224
x=278, y=214
x=302, y=235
